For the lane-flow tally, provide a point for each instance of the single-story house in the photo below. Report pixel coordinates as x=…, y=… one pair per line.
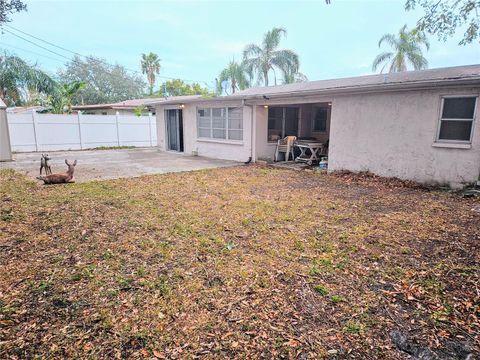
x=414, y=125
x=126, y=107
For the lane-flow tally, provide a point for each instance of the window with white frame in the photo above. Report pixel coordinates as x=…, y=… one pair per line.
x=220, y=123
x=456, y=118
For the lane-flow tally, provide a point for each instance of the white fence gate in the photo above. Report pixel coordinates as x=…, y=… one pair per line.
x=49, y=132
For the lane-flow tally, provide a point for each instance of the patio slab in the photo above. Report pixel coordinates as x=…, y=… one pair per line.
x=115, y=163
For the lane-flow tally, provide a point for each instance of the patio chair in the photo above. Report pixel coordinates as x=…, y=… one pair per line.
x=285, y=145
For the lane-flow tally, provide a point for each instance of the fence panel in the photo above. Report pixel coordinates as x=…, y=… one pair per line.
x=22, y=132
x=134, y=131
x=49, y=132
x=98, y=130
x=57, y=132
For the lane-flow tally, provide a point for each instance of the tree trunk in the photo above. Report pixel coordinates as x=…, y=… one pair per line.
x=151, y=81
x=265, y=75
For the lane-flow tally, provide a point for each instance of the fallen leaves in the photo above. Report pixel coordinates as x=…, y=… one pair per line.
x=244, y=262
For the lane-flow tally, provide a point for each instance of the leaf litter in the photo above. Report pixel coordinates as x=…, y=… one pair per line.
x=246, y=262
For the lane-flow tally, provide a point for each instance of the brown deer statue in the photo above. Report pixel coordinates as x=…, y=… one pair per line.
x=59, y=178
x=44, y=165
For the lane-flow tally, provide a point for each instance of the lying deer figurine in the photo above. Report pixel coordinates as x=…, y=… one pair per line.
x=44, y=165
x=59, y=178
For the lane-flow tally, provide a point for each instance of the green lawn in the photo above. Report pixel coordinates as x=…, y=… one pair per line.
x=242, y=262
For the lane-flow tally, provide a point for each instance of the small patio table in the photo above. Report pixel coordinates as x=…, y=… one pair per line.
x=314, y=147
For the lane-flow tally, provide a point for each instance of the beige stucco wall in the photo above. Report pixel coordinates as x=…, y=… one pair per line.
x=161, y=135
x=393, y=134
x=265, y=150
x=214, y=148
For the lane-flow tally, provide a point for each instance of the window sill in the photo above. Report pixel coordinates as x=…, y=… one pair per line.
x=452, y=145
x=220, y=141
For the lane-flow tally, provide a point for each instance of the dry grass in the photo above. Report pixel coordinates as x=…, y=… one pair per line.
x=239, y=263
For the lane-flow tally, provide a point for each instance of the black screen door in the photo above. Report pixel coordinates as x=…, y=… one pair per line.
x=174, y=121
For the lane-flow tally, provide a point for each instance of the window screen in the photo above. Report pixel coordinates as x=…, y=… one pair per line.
x=275, y=121
x=455, y=130
x=235, y=123
x=204, y=123
x=320, y=119
x=291, y=122
x=457, y=118
x=458, y=108
x=282, y=121
x=220, y=123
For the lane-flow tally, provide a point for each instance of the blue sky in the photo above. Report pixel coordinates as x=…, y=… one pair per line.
x=196, y=39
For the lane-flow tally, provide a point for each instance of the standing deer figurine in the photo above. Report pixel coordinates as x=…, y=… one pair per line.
x=59, y=178
x=44, y=164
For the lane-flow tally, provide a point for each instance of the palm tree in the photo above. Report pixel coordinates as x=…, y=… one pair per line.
x=69, y=90
x=294, y=77
x=62, y=99
x=56, y=103
x=260, y=60
x=407, y=49
x=150, y=66
x=235, y=75
x=17, y=77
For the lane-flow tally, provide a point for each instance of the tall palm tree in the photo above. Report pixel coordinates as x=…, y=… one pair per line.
x=406, y=49
x=235, y=75
x=150, y=66
x=260, y=60
x=17, y=76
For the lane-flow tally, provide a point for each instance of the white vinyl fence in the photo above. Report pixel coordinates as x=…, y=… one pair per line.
x=49, y=132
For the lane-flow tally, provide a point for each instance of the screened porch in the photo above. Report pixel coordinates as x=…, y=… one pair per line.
x=308, y=123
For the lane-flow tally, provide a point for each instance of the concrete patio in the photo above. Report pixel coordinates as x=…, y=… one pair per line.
x=113, y=164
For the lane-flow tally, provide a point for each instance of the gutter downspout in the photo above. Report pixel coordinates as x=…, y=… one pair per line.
x=252, y=130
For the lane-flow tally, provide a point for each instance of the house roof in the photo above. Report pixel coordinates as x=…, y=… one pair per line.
x=133, y=103
x=25, y=109
x=380, y=82
x=400, y=78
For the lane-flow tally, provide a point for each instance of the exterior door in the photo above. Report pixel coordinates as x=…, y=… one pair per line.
x=174, y=123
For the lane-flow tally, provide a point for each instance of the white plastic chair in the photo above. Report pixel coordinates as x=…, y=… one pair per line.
x=285, y=145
